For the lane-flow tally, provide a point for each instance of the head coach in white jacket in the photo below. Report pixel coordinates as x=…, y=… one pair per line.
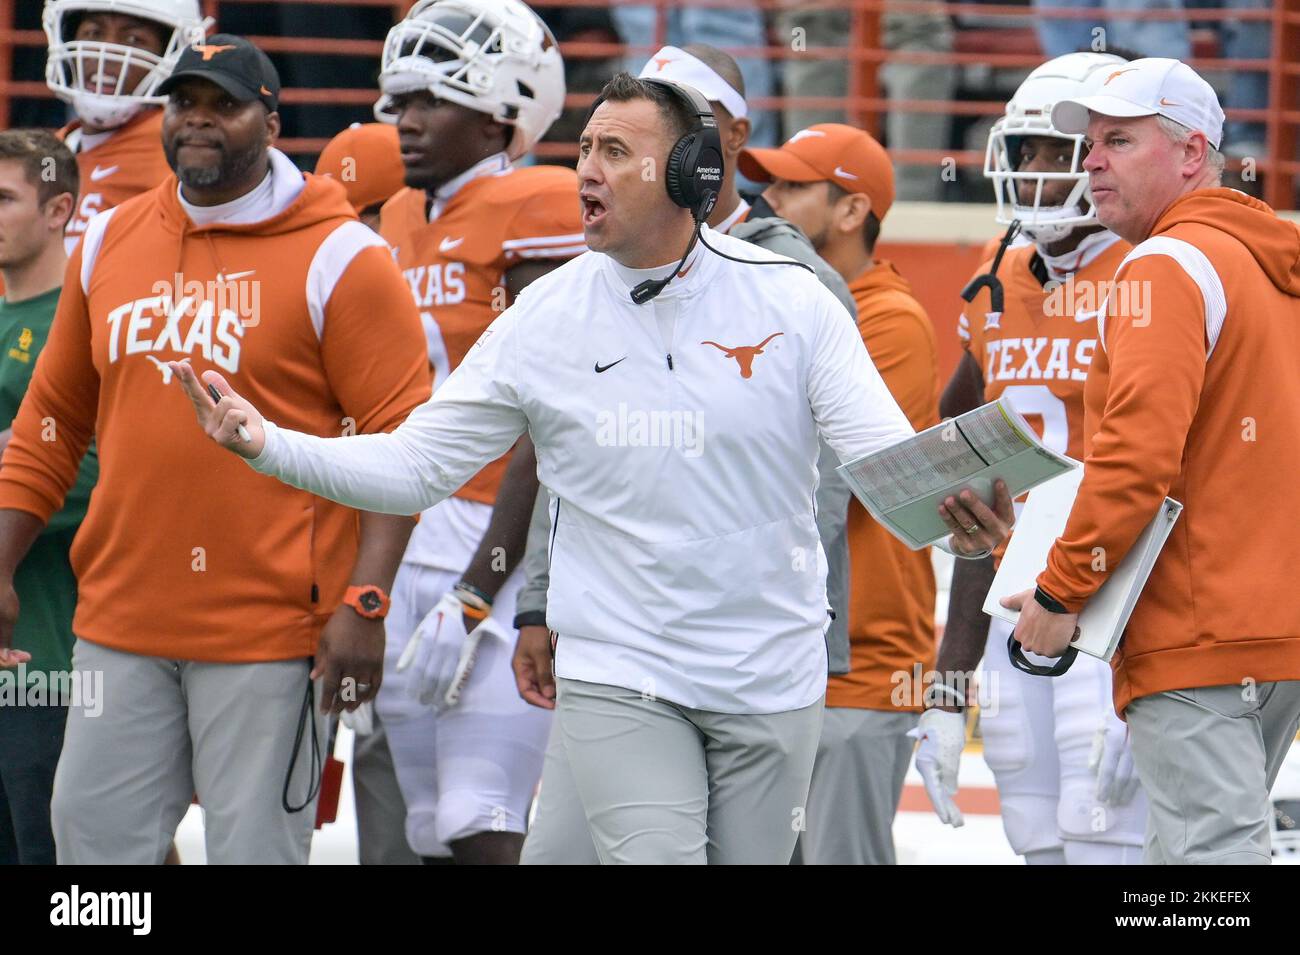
x=675, y=397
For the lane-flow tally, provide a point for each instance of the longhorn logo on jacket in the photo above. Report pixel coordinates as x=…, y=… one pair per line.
x=744, y=354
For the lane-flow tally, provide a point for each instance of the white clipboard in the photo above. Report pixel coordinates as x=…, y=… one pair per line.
x=1041, y=522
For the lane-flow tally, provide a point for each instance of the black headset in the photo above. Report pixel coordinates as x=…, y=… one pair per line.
x=694, y=173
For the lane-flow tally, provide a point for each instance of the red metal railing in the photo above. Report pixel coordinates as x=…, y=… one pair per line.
x=864, y=103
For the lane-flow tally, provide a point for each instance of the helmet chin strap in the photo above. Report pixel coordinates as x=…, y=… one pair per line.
x=1045, y=231
x=105, y=115
x=1087, y=249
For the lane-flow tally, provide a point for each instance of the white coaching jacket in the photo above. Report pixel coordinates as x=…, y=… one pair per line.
x=679, y=439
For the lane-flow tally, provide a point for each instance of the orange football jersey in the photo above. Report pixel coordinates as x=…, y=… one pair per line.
x=129, y=162
x=1037, y=351
x=456, y=264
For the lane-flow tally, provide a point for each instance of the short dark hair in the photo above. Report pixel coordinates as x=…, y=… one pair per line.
x=870, y=228
x=47, y=161
x=624, y=87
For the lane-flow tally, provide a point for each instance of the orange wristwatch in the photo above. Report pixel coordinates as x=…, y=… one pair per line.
x=369, y=601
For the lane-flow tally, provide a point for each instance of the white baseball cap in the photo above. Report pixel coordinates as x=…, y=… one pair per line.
x=1147, y=87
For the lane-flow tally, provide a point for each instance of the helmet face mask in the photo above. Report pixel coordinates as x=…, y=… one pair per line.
x=1044, y=223
x=91, y=75
x=492, y=56
x=1029, y=114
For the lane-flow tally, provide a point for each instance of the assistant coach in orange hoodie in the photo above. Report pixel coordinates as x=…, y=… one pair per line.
x=836, y=183
x=205, y=590
x=1193, y=394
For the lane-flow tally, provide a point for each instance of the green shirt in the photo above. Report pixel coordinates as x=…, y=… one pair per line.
x=46, y=586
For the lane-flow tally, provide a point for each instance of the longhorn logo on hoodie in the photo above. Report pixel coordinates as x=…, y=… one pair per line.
x=744, y=354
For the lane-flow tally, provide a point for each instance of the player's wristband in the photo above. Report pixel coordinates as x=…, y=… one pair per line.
x=947, y=548
x=472, y=596
x=530, y=618
x=958, y=698
x=1048, y=602
x=474, y=613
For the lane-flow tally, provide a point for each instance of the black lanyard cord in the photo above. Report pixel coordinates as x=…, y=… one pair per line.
x=317, y=767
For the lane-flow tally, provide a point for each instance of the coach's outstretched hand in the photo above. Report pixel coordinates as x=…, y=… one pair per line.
x=221, y=420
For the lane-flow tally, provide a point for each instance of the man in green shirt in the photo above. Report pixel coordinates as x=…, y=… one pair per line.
x=38, y=193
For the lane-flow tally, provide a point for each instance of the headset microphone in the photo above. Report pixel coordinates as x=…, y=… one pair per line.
x=648, y=289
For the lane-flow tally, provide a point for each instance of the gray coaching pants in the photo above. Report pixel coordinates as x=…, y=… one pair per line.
x=857, y=783
x=1207, y=758
x=667, y=784
x=559, y=834
x=169, y=729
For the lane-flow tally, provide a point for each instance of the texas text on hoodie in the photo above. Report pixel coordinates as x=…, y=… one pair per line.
x=1192, y=394
x=186, y=553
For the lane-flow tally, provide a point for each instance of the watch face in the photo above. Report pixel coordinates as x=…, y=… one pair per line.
x=370, y=601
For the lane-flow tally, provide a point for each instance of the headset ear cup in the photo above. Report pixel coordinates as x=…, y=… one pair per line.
x=679, y=176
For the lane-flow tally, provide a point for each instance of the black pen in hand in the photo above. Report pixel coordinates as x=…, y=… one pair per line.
x=216, y=396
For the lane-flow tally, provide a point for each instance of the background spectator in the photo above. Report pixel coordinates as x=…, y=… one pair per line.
x=581, y=74
x=1146, y=37
x=737, y=26
x=929, y=31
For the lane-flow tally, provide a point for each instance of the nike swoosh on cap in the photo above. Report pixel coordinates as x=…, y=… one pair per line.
x=1165, y=102
x=99, y=172
x=803, y=134
x=846, y=175
x=448, y=243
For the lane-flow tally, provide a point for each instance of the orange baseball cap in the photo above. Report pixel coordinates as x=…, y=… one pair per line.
x=366, y=159
x=834, y=152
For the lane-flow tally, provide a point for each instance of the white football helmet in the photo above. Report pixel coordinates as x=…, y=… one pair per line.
x=494, y=56
x=1029, y=113
x=91, y=75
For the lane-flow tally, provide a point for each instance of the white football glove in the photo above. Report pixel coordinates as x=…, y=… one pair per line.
x=1112, y=761
x=441, y=655
x=938, y=757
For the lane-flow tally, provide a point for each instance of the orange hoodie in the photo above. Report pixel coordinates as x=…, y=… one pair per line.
x=891, y=587
x=185, y=552
x=1194, y=394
